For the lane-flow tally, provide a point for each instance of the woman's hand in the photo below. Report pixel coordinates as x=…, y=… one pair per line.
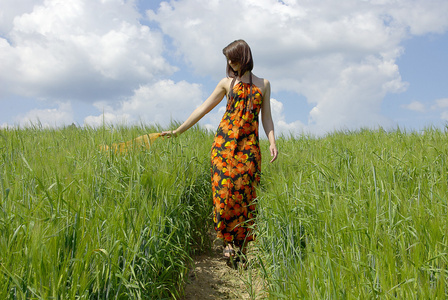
x=274, y=152
x=168, y=134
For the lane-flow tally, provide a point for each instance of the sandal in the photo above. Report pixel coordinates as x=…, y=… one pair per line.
x=231, y=256
x=229, y=252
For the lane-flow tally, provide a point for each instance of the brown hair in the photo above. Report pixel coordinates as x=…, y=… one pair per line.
x=238, y=51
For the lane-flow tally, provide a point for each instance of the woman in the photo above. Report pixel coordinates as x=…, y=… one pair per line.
x=235, y=154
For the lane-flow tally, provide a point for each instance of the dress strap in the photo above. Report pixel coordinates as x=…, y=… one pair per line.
x=231, y=88
x=230, y=95
x=250, y=103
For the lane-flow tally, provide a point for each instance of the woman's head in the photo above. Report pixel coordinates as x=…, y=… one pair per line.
x=238, y=52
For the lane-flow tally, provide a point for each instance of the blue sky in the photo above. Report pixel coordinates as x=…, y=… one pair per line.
x=424, y=65
x=333, y=65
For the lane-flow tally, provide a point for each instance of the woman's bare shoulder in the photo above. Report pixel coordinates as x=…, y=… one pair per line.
x=261, y=83
x=225, y=80
x=225, y=84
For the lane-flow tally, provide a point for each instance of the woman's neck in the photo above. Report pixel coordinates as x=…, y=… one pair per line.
x=244, y=77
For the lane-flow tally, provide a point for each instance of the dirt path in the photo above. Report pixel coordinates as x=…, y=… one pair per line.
x=211, y=278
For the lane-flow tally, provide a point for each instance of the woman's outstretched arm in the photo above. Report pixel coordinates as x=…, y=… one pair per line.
x=213, y=100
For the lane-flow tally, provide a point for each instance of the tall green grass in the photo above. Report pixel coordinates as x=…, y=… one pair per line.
x=356, y=215
x=79, y=223
x=347, y=216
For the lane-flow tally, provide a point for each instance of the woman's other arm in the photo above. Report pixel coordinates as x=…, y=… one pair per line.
x=266, y=118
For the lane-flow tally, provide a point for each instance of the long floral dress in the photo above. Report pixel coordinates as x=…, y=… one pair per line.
x=236, y=161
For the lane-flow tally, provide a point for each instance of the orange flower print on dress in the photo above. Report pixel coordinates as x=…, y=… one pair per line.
x=219, y=163
x=219, y=141
x=226, y=127
x=238, y=198
x=236, y=161
x=232, y=226
x=227, y=214
x=245, y=144
x=240, y=168
x=242, y=157
x=223, y=194
x=248, y=191
x=226, y=153
x=216, y=179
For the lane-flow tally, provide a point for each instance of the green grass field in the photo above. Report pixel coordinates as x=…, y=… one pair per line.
x=347, y=216
x=371, y=207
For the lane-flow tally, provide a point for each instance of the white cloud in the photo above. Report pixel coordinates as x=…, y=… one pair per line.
x=12, y=8
x=340, y=55
x=440, y=103
x=49, y=117
x=351, y=98
x=416, y=106
x=420, y=17
x=78, y=49
x=157, y=104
